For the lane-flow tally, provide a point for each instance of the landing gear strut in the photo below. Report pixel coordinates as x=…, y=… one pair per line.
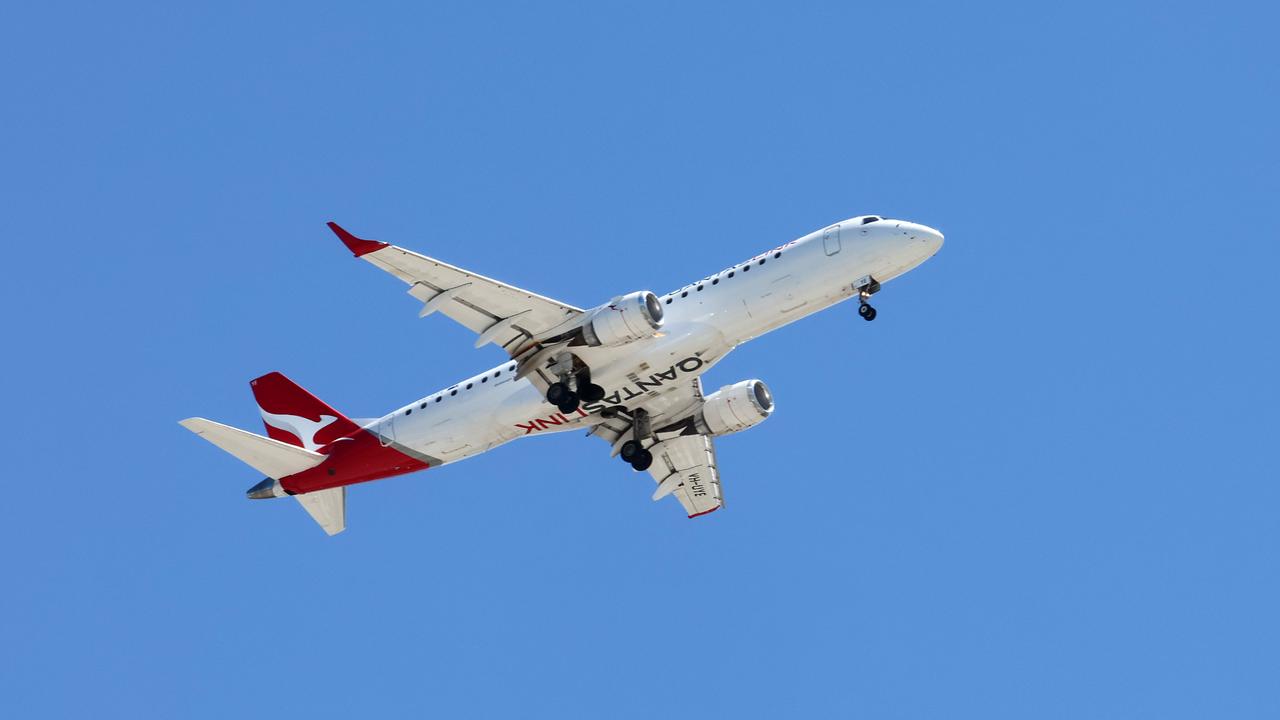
x=566, y=397
x=866, y=287
x=587, y=390
x=632, y=451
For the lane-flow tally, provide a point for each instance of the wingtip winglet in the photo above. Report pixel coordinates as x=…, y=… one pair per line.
x=356, y=245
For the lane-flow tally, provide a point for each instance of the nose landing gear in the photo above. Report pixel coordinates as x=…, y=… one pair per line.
x=866, y=287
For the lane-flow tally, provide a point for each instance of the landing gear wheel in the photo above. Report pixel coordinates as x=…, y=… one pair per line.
x=557, y=392
x=587, y=390
x=630, y=449
x=642, y=461
x=591, y=393
x=867, y=312
x=569, y=402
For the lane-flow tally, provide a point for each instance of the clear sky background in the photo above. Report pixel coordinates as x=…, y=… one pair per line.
x=1041, y=484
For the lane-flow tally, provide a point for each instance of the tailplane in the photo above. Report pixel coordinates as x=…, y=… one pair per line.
x=327, y=507
x=270, y=457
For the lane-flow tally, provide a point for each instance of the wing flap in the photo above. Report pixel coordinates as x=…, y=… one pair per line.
x=685, y=467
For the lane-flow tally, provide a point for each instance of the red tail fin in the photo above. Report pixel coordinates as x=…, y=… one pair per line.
x=295, y=416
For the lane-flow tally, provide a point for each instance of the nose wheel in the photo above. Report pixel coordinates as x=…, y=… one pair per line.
x=866, y=287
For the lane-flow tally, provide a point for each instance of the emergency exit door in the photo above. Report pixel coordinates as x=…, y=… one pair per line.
x=831, y=239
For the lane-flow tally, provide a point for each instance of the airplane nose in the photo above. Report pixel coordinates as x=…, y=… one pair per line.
x=934, y=238
x=923, y=233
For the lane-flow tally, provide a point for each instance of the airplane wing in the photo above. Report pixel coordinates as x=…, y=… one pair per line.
x=685, y=466
x=510, y=317
x=684, y=462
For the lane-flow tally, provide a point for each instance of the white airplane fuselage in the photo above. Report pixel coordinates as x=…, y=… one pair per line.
x=703, y=322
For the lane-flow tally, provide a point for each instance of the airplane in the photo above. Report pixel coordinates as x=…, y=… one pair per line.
x=628, y=371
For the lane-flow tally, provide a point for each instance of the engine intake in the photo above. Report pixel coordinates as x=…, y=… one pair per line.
x=735, y=407
x=624, y=319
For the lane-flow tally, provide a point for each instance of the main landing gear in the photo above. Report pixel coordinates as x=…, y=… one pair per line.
x=574, y=386
x=633, y=451
x=866, y=287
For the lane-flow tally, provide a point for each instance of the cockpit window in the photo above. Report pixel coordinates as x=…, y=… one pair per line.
x=870, y=219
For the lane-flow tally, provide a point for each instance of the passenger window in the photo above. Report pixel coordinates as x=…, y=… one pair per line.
x=452, y=393
x=409, y=411
x=439, y=398
x=730, y=273
x=777, y=255
x=684, y=294
x=746, y=268
x=761, y=261
x=699, y=288
x=423, y=406
x=716, y=281
x=468, y=386
x=668, y=301
x=484, y=379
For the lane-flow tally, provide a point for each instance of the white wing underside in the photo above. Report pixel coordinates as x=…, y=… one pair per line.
x=686, y=468
x=505, y=315
x=684, y=465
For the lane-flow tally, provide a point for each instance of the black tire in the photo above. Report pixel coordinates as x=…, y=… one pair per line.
x=864, y=309
x=869, y=315
x=643, y=460
x=557, y=392
x=591, y=393
x=569, y=403
x=629, y=450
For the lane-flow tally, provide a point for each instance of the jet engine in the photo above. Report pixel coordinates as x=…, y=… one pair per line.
x=624, y=319
x=735, y=407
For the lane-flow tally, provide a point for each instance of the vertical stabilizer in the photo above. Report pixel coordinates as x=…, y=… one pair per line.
x=294, y=416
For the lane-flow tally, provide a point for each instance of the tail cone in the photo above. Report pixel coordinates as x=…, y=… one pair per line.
x=268, y=488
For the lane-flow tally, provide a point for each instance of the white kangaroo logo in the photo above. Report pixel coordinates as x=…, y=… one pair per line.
x=302, y=428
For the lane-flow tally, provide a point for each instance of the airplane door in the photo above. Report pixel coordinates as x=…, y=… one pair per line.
x=387, y=432
x=831, y=240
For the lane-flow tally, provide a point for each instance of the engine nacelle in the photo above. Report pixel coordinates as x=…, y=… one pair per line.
x=625, y=319
x=735, y=407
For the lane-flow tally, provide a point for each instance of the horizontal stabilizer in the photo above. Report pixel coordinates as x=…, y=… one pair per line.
x=327, y=507
x=269, y=457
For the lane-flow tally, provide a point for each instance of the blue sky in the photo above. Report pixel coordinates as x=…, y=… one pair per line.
x=1041, y=484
